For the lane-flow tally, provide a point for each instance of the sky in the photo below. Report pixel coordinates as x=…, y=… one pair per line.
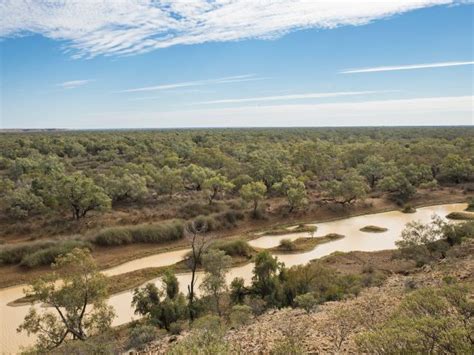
x=91, y=64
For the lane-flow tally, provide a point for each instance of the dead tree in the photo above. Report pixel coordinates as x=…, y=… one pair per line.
x=199, y=241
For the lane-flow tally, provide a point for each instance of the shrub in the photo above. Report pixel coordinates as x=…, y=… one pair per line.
x=429, y=320
x=286, y=244
x=38, y=253
x=113, y=236
x=48, y=255
x=240, y=315
x=373, y=229
x=237, y=247
x=193, y=209
x=177, y=327
x=461, y=216
x=470, y=205
x=430, y=185
x=207, y=337
x=151, y=233
x=157, y=233
x=141, y=335
x=257, y=305
x=291, y=343
x=307, y=302
x=456, y=233
x=14, y=254
x=409, y=209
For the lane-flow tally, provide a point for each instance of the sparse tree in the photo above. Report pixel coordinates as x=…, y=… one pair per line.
x=217, y=185
x=238, y=290
x=79, y=193
x=372, y=169
x=194, y=176
x=199, y=241
x=350, y=188
x=168, y=181
x=294, y=190
x=216, y=264
x=253, y=192
x=81, y=285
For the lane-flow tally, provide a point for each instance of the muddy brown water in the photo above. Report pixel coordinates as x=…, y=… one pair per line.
x=12, y=316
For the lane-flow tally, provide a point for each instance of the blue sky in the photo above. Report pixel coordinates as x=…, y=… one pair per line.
x=282, y=63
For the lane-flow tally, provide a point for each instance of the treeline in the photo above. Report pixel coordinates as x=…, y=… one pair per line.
x=78, y=172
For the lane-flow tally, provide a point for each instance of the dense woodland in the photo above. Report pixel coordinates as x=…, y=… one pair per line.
x=73, y=174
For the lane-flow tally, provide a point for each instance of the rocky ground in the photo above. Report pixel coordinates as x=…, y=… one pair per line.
x=333, y=326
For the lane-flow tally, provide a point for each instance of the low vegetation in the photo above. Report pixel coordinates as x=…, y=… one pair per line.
x=434, y=319
x=302, y=228
x=466, y=216
x=159, y=233
x=235, y=247
x=303, y=244
x=470, y=205
x=409, y=209
x=373, y=229
x=38, y=253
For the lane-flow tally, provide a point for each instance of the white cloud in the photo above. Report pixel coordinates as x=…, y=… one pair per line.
x=318, y=95
x=405, y=67
x=123, y=27
x=225, y=80
x=73, y=84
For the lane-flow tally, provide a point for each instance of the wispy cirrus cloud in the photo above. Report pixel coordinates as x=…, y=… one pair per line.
x=125, y=27
x=73, y=84
x=312, y=95
x=405, y=67
x=224, y=80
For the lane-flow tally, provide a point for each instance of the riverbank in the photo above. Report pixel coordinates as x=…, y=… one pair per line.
x=334, y=326
x=108, y=257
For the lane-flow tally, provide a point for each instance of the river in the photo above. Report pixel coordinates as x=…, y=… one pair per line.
x=395, y=221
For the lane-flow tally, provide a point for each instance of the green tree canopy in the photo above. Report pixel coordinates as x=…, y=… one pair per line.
x=294, y=190
x=75, y=283
x=253, y=192
x=216, y=185
x=80, y=194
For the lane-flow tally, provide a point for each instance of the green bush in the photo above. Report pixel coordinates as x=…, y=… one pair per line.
x=157, y=233
x=193, y=209
x=286, y=244
x=428, y=321
x=240, y=315
x=237, y=247
x=470, y=205
x=141, y=335
x=150, y=233
x=48, y=255
x=114, y=236
x=307, y=302
x=14, y=254
x=38, y=253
